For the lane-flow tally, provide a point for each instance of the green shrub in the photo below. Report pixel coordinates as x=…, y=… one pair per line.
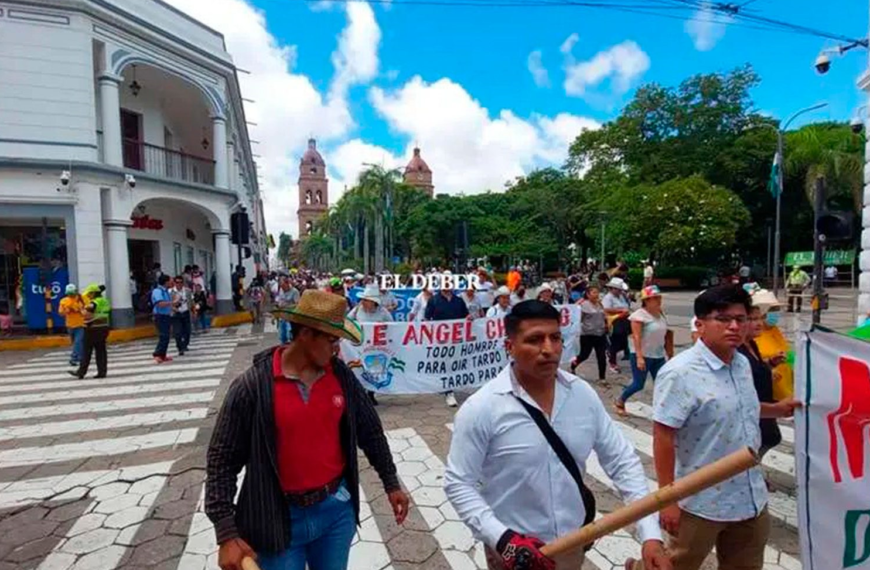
x=690, y=276
x=635, y=278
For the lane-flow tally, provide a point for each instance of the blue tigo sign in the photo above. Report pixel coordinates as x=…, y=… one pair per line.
x=34, y=297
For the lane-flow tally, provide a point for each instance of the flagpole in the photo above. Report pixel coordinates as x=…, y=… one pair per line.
x=781, y=175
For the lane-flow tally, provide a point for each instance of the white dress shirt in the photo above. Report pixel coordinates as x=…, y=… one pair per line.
x=502, y=473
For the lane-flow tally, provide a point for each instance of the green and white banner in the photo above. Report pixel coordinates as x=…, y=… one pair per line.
x=437, y=356
x=832, y=450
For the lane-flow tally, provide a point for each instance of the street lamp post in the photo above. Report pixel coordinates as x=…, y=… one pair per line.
x=780, y=132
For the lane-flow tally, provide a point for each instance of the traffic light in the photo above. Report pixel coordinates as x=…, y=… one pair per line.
x=240, y=227
x=836, y=226
x=246, y=252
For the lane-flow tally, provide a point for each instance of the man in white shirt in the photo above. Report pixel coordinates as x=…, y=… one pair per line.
x=502, y=306
x=529, y=495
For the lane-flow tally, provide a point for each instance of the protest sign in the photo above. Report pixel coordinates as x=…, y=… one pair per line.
x=437, y=356
x=832, y=450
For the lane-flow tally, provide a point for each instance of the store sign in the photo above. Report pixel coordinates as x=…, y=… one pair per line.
x=34, y=296
x=146, y=223
x=831, y=257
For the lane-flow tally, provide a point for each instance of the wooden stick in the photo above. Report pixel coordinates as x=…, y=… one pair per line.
x=703, y=478
x=249, y=564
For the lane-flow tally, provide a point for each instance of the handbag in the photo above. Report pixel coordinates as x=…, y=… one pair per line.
x=567, y=460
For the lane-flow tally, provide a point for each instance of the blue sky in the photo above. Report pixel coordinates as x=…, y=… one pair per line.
x=371, y=81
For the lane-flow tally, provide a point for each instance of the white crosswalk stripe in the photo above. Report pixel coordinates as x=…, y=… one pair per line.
x=49, y=419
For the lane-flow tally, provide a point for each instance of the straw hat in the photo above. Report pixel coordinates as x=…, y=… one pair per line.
x=765, y=300
x=324, y=312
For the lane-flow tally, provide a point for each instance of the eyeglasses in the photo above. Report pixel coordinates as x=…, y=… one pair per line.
x=728, y=319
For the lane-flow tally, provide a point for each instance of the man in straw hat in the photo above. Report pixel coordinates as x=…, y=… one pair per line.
x=527, y=435
x=294, y=421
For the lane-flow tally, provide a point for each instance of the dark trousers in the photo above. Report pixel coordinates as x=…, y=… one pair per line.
x=588, y=342
x=618, y=340
x=95, y=341
x=164, y=326
x=181, y=328
x=795, y=298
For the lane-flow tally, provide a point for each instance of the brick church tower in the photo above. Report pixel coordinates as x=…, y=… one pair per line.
x=418, y=174
x=313, y=189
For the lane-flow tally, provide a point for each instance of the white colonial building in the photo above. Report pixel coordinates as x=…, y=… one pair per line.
x=123, y=143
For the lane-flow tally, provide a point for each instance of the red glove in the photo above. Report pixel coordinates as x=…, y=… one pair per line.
x=521, y=552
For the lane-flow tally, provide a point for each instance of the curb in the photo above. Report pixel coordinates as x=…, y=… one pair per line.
x=115, y=336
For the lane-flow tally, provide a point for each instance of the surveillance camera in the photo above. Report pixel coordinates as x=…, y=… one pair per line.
x=823, y=64
x=130, y=180
x=857, y=125
x=64, y=177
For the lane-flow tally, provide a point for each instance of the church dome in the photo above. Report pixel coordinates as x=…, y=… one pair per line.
x=311, y=155
x=417, y=163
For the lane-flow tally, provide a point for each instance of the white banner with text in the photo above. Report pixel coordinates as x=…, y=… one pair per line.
x=431, y=357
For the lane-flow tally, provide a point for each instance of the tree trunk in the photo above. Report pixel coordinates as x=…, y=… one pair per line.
x=366, y=247
x=379, y=242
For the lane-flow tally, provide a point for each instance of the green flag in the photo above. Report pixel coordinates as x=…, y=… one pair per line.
x=775, y=173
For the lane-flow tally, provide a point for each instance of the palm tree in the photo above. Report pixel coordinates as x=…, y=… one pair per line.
x=315, y=248
x=830, y=150
x=380, y=185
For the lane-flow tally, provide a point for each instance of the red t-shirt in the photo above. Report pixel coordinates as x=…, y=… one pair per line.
x=307, y=434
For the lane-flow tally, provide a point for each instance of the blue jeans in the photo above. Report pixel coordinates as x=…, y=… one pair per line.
x=320, y=536
x=284, y=335
x=638, y=377
x=164, y=327
x=77, y=338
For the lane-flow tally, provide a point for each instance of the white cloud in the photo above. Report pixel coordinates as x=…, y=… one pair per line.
x=569, y=43
x=706, y=28
x=619, y=65
x=288, y=108
x=468, y=150
x=348, y=160
x=537, y=69
x=356, y=57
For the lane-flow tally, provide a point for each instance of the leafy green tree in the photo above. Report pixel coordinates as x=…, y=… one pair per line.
x=285, y=246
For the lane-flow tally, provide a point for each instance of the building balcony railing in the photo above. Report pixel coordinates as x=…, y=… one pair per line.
x=168, y=163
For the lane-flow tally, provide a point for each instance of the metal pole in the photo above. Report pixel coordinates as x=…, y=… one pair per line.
x=776, y=240
x=818, y=250
x=602, y=244
x=769, y=248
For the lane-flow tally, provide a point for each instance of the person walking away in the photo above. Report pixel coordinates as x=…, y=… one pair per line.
x=513, y=278
x=704, y=408
x=369, y=310
x=762, y=374
x=502, y=306
x=418, y=309
x=648, y=274
x=200, y=307
x=773, y=347
x=294, y=421
x=161, y=300
x=71, y=308
x=593, y=331
x=182, y=299
x=96, y=314
x=287, y=298
x=796, y=283
x=506, y=434
x=650, y=343
x=472, y=302
x=445, y=306
x=617, y=308
x=255, y=296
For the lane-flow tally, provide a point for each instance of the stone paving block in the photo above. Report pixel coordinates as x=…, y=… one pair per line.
x=116, y=504
x=380, y=506
x=192, y=562
x=202, y=543
x=127, y=517
x=412, y=468
x=87, y=523
x=109, y=490
x=431, y=515
x=430, y=496
x=29, y=532
x=26, y=516
x=147, y=485
x=35, y=549
x=58, y=561
x=68, y=511
x=412, y=546
x=174, y=510
x=148, y=530
x=415, y=521
x=454, y=535
x=369, y=556
x=432, y=478
x=459, y=560
x=90, y=541
x=449, y=512
x=101, y=559
x=417, y=454
x=73, y=494
x=156, y=551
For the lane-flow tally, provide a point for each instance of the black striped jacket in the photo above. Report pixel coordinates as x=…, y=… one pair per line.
x=244, y=436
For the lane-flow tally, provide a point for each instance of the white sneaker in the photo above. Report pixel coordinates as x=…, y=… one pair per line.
x=450, y=399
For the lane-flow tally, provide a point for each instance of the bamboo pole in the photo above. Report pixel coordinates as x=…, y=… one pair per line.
x=703, y=478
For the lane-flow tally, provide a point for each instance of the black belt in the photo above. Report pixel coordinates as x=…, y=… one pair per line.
x=309, y=498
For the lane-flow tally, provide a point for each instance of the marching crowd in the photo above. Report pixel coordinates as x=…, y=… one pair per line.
x=520, y=444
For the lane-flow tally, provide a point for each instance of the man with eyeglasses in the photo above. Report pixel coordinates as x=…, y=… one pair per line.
x=705, y=407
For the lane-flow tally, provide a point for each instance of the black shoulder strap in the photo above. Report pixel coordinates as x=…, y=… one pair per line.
x=565, y=457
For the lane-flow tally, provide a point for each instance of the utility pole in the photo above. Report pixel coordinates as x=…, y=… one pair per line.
x=818, y=250
x=601, y=262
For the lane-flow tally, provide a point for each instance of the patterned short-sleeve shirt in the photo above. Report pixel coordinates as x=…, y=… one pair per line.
x=715, y=410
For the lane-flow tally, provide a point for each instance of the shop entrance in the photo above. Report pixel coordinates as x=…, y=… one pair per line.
x=143, y=255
